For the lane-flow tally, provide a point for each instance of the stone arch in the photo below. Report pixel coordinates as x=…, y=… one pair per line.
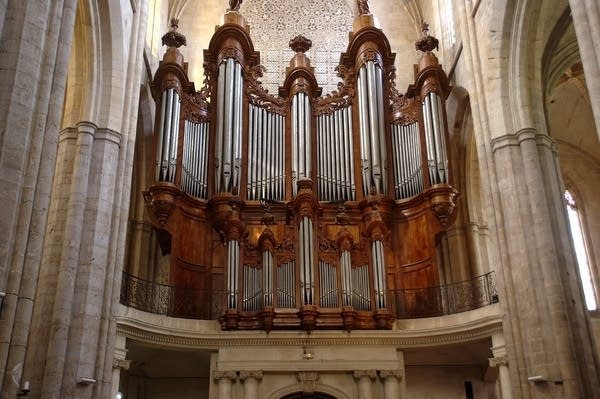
x=97, y=68
x=302, y=395
x=297, y=388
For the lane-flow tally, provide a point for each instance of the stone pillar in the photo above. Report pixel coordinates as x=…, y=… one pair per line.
x=251, y=380
x=586, y=20
x=391, y=383
x=224, y=380
x=119, y=364
x=365, y=380
x=32, y=84
x=500, y=361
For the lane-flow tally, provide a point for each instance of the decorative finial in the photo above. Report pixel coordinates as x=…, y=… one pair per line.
x=427, y=42
x=363, y=7
x=173, y=38
x=300, y=44
x=234, y=5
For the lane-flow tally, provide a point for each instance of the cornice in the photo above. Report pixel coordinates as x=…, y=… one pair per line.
x=166, y=331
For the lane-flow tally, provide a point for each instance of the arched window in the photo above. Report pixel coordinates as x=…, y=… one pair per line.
x=581, y=251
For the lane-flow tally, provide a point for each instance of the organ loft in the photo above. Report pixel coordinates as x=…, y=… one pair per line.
x=301, y=210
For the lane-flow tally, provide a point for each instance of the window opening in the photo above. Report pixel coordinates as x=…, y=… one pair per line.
x=580, y=251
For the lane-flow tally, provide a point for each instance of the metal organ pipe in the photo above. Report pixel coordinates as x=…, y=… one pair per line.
x=435, y=138
x=194, y=176
x=301, y=139
x=346, y=277
x=266, y=168
x=285, y=285
x=233, y=262
x=168, y=132
x=306, y=251
x=229, y=126
x=267, y=275
x=406, y=147
x=335, y=156
x=373, y=148
x=379, y=272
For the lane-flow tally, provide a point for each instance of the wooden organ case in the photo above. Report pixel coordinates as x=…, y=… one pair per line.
x=300, y=211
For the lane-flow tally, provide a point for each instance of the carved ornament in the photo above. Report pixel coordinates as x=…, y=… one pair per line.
x=300, y=44
x=173, y=38
x=427, y=43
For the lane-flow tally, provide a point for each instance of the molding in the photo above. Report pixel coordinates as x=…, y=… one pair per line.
x=166, y=331
x=519, y=137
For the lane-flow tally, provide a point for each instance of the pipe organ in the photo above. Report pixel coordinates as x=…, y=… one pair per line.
x=309, y=211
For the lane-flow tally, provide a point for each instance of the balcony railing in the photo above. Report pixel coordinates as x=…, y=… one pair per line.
x=447, y=299
x=210, y=304
x=172, y=301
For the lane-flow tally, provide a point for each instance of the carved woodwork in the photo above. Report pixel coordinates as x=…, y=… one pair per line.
x=268, y=229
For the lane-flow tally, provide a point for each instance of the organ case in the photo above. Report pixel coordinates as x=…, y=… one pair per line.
x=305, y=211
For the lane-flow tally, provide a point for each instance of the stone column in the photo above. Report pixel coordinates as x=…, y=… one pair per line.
x=365, y=380
x=32, y=85
x=119, y=364
x=251, y=380
x=391, y=383
x=586, y=19
x=224, y=381
x=500, y=361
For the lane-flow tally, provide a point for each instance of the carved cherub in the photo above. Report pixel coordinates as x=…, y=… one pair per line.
x=363, y=7
x=234, y=5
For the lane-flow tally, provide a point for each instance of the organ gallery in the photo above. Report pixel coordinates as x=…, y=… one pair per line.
x=301, y=210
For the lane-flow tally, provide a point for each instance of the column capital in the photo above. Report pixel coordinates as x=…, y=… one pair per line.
x=359, y=374
x=498, y=361
x=224, y=375
x=255, y=374
x=121, y=364
x=398, y=374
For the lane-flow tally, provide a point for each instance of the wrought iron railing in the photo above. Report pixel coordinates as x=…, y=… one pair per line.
x=448, y=299
x=205, y=304
x=172, y=301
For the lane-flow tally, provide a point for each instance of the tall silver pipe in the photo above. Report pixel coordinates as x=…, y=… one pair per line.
x=379, y=272
x=295, y=150
x=228, y=123
x=430, y=141
x=307, y=136
x=376, y=164
x=174, y=137
x=205, y=160
x=381, y=128
x=364, y=117
x=336, y=135
x=301, y=137
x=250, y=150
x=350, y=150
x=161, y=134
x=220, y=126
x=166, y=145
x=237, y=125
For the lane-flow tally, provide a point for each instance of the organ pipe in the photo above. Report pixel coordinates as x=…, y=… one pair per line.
x=229, y=126
x=371, y=116
x=168, y=132
x=335, y=157
x=267, y=278
x=194, y=163
x=435, y=138
x=306, y=257
x=301, y=139
x=406, y=150
x=266, y=168
x=233, y=264
x=379, y=273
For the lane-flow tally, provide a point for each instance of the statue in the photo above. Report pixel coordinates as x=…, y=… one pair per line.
x=234, y=5
x=363, y=7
